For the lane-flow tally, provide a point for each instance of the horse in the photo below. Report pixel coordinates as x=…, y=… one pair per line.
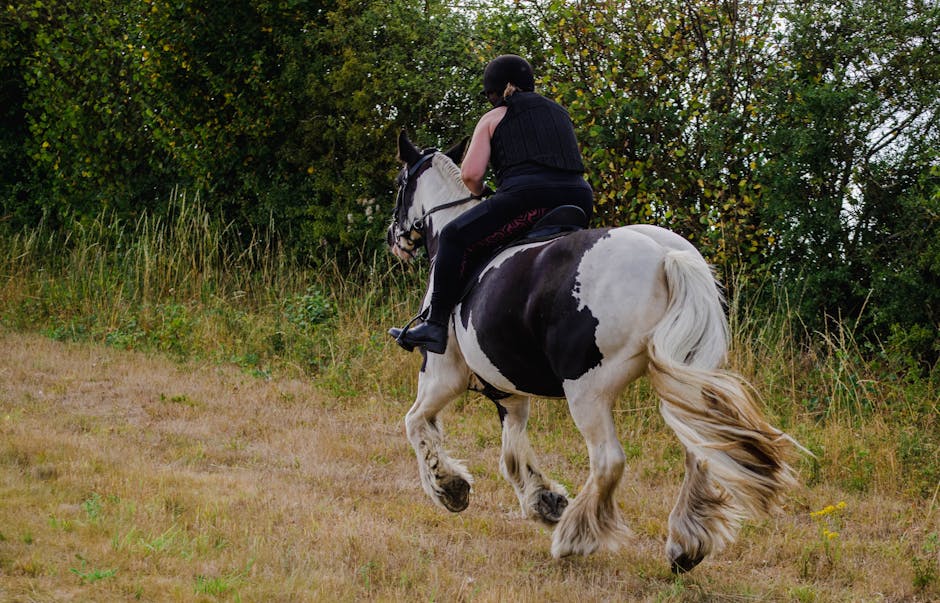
x=580, y=317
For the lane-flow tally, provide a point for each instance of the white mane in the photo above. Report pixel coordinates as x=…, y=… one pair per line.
x=440, y=185
x=449, y=169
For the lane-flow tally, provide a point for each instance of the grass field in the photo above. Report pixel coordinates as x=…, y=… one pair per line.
x=184, y=419
x=125, y=476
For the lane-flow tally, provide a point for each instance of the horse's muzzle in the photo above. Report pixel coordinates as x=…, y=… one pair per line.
x=402, y=253
x=401, y=246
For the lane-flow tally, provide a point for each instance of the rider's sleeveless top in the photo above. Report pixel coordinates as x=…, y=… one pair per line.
x=536, y=132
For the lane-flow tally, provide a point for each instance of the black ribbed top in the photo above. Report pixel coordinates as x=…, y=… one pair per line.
x=536, y=132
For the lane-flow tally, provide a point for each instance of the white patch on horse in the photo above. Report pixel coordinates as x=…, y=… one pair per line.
x=445, y=183
x=606, y=296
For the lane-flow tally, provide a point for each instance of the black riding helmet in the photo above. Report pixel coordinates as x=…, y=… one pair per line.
x=508, y=69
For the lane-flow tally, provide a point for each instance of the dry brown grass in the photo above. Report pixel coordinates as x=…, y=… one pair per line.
x=125, y=476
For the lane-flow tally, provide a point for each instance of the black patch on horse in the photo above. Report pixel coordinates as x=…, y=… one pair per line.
x=527, y=319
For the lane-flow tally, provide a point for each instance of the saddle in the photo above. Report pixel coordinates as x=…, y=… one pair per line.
x=561, y=220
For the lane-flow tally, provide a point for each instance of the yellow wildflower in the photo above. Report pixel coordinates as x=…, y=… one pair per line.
x=828, y=510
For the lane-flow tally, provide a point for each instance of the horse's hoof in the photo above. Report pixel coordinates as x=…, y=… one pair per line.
x=550, y=506
x=456, y=493
x=684, y=563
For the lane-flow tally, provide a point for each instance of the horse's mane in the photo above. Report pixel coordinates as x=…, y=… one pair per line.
x=449, y=168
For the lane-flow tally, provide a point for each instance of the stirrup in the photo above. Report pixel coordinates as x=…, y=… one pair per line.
x=430, y=336
x=397, y=333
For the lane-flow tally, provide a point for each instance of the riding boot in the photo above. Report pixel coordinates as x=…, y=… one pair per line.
x=430, y=335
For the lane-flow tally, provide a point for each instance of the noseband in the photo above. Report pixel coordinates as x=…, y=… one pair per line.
x=414, y=232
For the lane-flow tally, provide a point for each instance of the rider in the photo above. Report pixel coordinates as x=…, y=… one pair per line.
x=529, y=141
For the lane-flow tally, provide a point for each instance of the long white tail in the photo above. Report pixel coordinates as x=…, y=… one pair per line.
x=712, y=411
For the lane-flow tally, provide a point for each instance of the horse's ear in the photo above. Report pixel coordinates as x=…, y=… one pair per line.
x=456, y=152
x=407, y=151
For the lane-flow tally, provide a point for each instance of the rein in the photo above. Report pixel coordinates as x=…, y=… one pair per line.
x=418, y=224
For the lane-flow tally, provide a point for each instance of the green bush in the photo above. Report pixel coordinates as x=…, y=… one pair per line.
x=274, y=112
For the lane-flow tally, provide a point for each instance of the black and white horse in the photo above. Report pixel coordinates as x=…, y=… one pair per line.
x=580, y=317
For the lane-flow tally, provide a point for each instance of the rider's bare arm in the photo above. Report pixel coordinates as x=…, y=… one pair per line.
x=473, y=168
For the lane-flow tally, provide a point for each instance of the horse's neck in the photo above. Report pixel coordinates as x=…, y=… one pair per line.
x=443, y=188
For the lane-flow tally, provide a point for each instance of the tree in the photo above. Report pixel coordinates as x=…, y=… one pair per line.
x=366, y=71
x=664, y=95
x=784, y=140
x=73, y=77
x=797, y=141
x=851, y=156
x=277, y=113
x=14, y=175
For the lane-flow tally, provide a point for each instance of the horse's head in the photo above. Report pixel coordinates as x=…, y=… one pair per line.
x=428, y=182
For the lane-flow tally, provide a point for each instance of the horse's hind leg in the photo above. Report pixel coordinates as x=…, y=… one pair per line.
x=539, y=497
x=444, y=479
x=703, y=519
x=593, y=520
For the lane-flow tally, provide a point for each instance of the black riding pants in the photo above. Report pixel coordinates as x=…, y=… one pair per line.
x=470, y=239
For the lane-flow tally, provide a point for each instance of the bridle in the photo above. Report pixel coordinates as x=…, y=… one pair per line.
x=414, y=232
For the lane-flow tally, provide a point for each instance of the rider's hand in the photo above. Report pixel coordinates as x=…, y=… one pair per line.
x=487, y=191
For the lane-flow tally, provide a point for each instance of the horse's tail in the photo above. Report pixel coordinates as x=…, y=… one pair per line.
x=712, y=411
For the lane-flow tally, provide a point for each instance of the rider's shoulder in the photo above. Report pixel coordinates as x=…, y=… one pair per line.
x=496, y=113
x=492, y=117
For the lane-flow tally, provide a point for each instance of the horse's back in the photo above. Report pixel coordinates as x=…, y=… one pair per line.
x=545, y=313
x=667, y=238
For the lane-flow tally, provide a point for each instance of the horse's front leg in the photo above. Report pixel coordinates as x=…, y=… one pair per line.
x=446, y=481
x=539, y=497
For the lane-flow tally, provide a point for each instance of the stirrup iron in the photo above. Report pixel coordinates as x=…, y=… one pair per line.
x=422, y=315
